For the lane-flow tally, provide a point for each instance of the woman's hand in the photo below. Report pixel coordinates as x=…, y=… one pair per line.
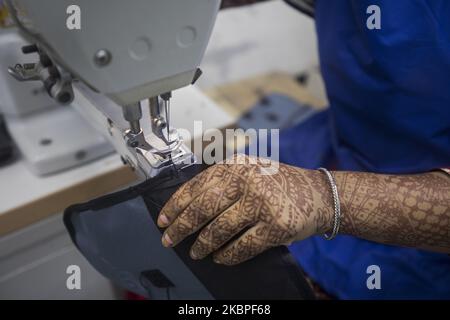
x=240, y=197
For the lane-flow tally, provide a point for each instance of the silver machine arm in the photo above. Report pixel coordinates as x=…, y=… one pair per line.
x=121, y=58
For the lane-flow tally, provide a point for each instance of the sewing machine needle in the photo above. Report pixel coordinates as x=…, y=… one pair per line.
x=167, y=111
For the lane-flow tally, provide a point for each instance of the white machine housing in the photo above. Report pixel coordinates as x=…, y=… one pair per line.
x=155, y=45
x=134, y=52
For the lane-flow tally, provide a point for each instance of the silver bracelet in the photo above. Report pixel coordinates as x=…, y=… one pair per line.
x=337, y=205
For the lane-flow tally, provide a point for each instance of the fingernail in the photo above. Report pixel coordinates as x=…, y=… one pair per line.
x=193, y=255
x=167, y=242
x=163, y=220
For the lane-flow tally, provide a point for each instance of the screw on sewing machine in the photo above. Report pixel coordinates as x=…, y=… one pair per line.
x=102, y=57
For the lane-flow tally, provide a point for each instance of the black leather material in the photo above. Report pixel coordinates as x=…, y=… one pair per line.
x=272, y=275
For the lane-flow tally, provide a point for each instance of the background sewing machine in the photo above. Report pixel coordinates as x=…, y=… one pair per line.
x=126, y=57
x=51, y=137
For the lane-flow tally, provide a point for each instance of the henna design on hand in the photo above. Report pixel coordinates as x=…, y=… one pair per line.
x=277, y=209
x=407, y=210
x=271, y=210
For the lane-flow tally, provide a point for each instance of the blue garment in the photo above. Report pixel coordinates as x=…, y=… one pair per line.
x=389, y=93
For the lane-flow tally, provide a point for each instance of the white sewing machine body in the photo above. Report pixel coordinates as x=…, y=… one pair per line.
x=133, y=52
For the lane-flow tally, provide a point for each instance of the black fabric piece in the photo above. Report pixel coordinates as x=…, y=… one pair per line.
x=157, y=278
x=272, y=275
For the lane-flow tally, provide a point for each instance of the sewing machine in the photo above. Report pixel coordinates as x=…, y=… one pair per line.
x=119, y=66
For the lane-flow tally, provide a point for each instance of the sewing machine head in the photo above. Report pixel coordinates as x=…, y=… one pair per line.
x=133, y=52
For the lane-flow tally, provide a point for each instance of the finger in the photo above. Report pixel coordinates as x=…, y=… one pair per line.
x=251, y=243
x=199, y=212
x=189, y=191
x=220, y=231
